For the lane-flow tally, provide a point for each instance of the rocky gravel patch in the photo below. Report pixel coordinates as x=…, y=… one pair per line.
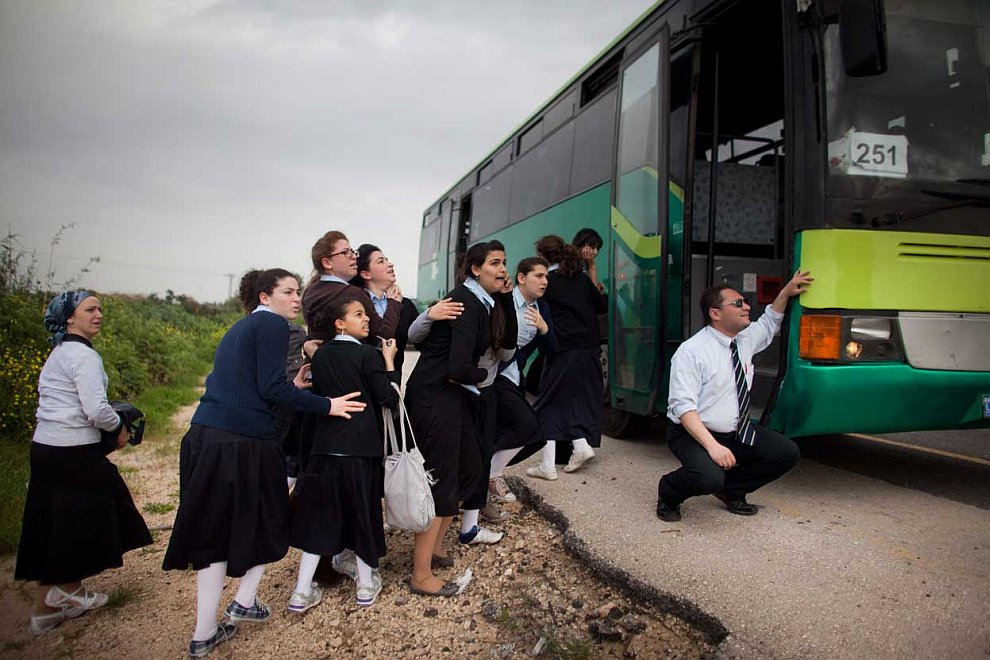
x=529, y=597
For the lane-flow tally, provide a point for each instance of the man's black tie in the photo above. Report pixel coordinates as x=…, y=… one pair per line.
x=745, y=432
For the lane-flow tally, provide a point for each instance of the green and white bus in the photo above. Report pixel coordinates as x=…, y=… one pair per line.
x=736, y=141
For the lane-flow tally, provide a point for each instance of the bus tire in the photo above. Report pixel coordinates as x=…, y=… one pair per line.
x=621, y=423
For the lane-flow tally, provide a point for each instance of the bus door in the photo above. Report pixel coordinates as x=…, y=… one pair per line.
x=736, y=223
x=639, y=214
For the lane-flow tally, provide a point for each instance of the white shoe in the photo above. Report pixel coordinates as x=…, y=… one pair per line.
x=346, y=564
x=367, y=593
x=538, y=472
x=82, y=599
x=578, y=458
x=481, y=535
x=499, y=491
x=42, y=623
x=300, y=602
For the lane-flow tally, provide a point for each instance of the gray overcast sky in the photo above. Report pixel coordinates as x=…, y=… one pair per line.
x=187, y=139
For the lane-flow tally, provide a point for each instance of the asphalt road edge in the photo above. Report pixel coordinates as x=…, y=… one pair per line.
x=713, y=631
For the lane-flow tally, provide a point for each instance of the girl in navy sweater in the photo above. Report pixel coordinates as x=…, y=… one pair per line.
x=339, y=510
x=233, y=501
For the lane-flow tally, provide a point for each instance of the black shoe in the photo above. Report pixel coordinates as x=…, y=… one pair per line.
x=739, y=507
x=667, y=512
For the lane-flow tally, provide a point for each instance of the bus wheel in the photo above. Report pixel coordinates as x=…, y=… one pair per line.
x=620, y=423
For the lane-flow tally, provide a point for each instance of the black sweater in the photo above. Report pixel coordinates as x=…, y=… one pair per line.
x=575, y=303
x=341, y=367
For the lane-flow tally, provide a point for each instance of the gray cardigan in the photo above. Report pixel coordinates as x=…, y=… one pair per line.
x=72, y=397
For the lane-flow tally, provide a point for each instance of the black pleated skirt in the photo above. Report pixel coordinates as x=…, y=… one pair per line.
x=79, y=518
x=446, y=436
x=517, y=425
x=569, y=405
x=233, y=502
x=339, y=506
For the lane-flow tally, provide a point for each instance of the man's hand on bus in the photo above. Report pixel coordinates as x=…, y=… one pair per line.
x=798, y=285
x=534, y=318
x=445, y=310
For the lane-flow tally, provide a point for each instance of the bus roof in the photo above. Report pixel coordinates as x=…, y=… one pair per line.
x=543, y=106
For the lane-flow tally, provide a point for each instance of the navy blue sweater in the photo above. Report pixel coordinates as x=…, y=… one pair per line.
x=248, y=379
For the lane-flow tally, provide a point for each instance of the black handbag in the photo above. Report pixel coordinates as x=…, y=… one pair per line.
x=130, y=417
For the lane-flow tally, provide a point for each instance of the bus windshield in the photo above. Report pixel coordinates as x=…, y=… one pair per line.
x=922, y=122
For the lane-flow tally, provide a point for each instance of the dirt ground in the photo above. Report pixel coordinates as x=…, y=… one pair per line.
x=528, y=597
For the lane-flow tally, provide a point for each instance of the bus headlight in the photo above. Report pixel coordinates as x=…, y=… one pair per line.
x=847, y=338
x=868, y=328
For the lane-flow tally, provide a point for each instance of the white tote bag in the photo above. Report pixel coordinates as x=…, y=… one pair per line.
x=408, y=498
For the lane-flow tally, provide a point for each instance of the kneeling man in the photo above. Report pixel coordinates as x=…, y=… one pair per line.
x=722, y=452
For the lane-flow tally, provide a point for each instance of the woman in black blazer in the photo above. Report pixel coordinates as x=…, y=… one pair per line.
x=518, y=433
x=442, y=397
x=569, y=403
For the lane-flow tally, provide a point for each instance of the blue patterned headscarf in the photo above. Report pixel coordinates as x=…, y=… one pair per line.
x=60, y=309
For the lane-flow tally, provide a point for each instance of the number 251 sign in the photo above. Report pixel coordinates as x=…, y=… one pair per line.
x=871, y=154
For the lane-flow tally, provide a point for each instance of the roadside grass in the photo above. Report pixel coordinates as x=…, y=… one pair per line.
x=123, y=595
x=158, y=507
x=14, y=474
x=158, y=404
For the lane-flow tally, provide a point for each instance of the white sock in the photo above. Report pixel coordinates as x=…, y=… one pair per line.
x=548, y=456
x=248, y=587
x=291, y=481
x=500, y=460
x=580, y=443
x=307, y=569
x=364, y=571
x=469, y=520
x=209, y=586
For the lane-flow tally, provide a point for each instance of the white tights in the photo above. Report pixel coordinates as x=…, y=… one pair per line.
x=500, y=460
x=209, y=587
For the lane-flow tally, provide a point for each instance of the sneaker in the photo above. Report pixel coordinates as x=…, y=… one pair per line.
x=257, y=613
x=578, y=458
x=538, y=472
x=224, y=632
x=82, y=598
x=367, y=593
x=345, y=563
x=492, y=514
x=499, y=491
x=480, y=535
x=42, y=623
x=300, y=602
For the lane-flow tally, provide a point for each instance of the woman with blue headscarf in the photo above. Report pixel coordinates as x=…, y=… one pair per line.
x=79, y=518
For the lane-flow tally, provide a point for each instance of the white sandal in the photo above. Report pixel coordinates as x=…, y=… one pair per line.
x=82, y=599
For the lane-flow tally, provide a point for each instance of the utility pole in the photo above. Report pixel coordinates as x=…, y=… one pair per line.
x=230, y=285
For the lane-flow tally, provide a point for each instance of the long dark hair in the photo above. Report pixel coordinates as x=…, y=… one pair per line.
x=587, y=236
x=476, y=256
x=363, y=262
x=256, y=282
x=556, y=251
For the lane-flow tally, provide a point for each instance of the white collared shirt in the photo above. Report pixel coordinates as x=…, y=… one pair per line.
x=479, y=293
x=333, y=278
x=702, y=377
x=346, y=337
x=526, y=333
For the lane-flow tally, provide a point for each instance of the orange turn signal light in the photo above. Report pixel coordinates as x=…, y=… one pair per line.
x=821, y=337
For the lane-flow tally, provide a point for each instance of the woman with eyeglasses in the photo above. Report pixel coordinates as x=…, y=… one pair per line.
x=335, y=265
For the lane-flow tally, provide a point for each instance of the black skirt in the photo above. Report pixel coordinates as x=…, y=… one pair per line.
x=445, y=434
x=79, y=518
x=569, y=405
x=233, y=502
x=339, y=507
x=518, y=426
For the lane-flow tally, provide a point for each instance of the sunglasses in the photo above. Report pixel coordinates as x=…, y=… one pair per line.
x=738, y=302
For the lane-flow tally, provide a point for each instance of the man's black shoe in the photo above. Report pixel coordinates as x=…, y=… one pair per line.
x=668, y=513
x=739, y=507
